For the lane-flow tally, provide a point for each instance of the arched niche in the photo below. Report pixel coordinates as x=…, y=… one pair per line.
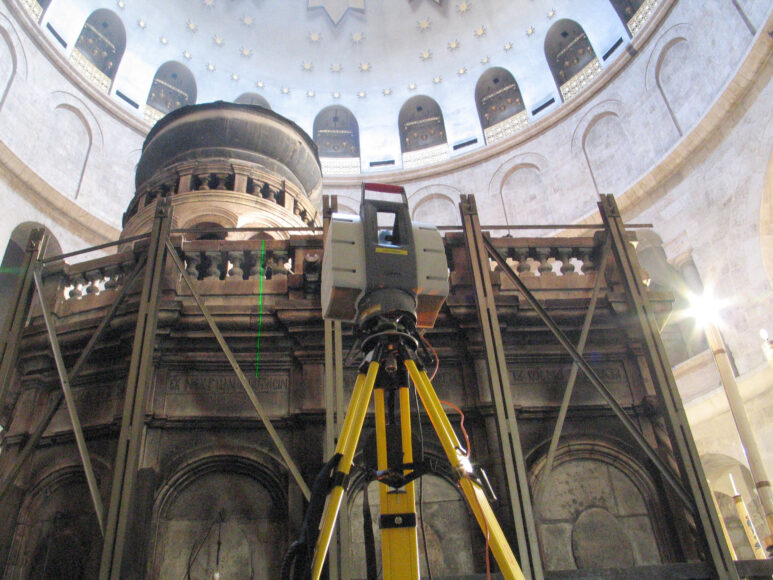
x=608, y=151
x=13, y=258
x=101, y=45
x=437, y=209
x=571, y=58
x=626, y=10
x=526, y=196
x=173, y=87
x=455, y=544
x=498, y=99
x=8, y=64
x=57, y=535
x=225, y=499
x=600, y=508
x=252, y=99
x=70, y=149
x=723, y=473
x=336, y=132
x=421, y=124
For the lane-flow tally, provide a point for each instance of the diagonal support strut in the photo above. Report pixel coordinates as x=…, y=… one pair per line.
x=240, y=375
x=628, y=423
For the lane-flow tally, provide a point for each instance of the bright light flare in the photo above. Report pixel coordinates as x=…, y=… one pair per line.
x=705, y=308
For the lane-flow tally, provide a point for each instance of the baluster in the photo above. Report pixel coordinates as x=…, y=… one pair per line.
x=213, y=268
x=220, y=179
x=256, y=272
x=567, y=267
x=522, y=256
x=113, y=274
x=545, y=267
x=77, y=281
x=267, y=193
x=93, y=276
x=586, y=257
x=192, y=261
x=203, y=181
x=237, y=259
x=278, y=261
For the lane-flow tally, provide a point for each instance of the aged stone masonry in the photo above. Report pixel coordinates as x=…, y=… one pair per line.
x=192, y=480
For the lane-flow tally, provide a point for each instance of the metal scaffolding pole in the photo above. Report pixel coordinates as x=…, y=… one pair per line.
x=240, y=374
x=685, y=451
x=512, y=453
x=20, y=308
x=133, y=419
x=80, y=440
x=56, y=398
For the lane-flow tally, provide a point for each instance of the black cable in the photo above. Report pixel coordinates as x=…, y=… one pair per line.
x=421, y=485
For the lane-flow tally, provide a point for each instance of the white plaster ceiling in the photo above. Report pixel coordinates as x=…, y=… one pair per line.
x=367, y=55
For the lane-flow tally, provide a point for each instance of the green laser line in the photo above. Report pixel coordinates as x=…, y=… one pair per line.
x=261, y=275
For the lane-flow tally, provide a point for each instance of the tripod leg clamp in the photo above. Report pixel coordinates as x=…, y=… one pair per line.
x=340, y=479
x=391, y=521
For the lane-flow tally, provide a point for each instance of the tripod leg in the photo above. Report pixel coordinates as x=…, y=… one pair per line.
x=347, y=444
x=399, y=543
x=472, y=490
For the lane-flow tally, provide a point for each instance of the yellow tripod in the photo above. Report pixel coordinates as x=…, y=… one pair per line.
x=399, y=543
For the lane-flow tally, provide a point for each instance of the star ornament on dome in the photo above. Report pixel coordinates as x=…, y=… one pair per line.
x=191, y=25
x=425, y=54
x=208, y=3
x=218, y=40
x=453, y=45
x=336, y=9
x=464, y=7
x=365, y=67
x=247, y=20
x=357, y=37
x=245, y=52
x=424, y=24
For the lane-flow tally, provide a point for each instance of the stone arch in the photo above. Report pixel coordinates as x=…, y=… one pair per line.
x=174, y=86
x=252, y=99
x=606, y=147
x=56, y=529
x=455, y=545
x=497, y=97
x=568, y=52
x=71, y=123
x=421, y=125
x=8, y=64
x=527, y=173
x=102, y=42
x=436, y=204
x=719, y=469
x=679, y=86
x=241, y=496
x=12, y=260
x=215, y=215
x=596, y=484
x=336, y=132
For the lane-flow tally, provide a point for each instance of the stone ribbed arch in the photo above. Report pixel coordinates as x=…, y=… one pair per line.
x=76, y=136
x=241, y=492
x=674, y=82
x=436, y=204
x=600, y=497
x=56, y=516
x=606, y=147
x=523, y=187
x=13, y=61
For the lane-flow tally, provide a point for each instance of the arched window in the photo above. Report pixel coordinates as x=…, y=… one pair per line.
x=336, y=133
x=422, y=130
x=100, y=47
x=173, y=87
x=36, y=8
x=500, y=106
x=337, y=136
x=570, y=57
x=252, y=99
x=632, y=14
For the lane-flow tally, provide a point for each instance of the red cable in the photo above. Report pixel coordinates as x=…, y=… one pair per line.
x=467, y=452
